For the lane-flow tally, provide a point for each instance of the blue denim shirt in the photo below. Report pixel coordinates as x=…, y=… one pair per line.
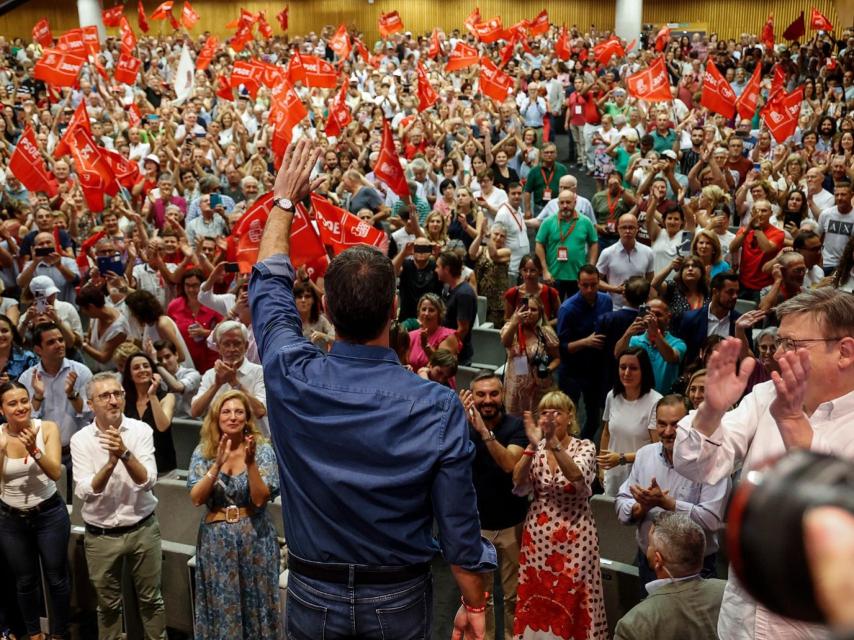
x=369, y=453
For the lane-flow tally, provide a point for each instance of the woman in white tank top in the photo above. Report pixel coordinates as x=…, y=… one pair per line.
x=34, y=523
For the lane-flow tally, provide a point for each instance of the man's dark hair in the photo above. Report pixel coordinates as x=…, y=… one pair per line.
x=40, y=329
x=91, y=295
x=637, y=291
x=484, y=375
x=452, y=262
x=800, y=240
x=165, y=344
x=673, y=400
x=144, y=306
x=513, y=185
x=845, y=183
x=719, y=281
x=589, y=269
x=360, y=288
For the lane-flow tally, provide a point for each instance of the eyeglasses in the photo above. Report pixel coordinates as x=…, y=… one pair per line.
x=105, y=397
x=790, y=344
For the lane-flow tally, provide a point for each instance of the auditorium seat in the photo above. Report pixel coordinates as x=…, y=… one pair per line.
x=616, y=540
x=620, y=590
x=743, y=306
x=179, y=518
x=481, y=310
x=185, y=436
x=489, y=353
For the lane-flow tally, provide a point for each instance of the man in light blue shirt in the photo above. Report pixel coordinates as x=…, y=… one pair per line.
x=665, y=350
x=654, y=486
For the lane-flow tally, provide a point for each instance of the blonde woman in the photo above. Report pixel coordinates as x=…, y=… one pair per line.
x=436, y=229
x=560, y=582
x=707, y=247
x=233, y=473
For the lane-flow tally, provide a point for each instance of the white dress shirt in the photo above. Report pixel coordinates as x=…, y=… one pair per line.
x=251, y=378
x=718, y=326
x=517, y=235
x=122, y=502
x=747, y=437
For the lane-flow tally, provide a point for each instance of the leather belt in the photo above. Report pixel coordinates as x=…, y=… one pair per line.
x=230, y=514
x=340, y=573
x=32, y=511
x=115, y=531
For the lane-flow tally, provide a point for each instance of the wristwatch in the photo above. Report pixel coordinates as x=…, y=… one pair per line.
x=74, y=396
x=622, y=458
x=125, y=456
x=284, y=204
x=490, y=437
x=37, y=454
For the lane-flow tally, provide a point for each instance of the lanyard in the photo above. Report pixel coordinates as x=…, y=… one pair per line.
x=612, y=205
x=564, y=236
x=513, y=215
x=548, y=181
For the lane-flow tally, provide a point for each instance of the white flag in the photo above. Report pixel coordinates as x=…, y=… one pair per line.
x=184, y=77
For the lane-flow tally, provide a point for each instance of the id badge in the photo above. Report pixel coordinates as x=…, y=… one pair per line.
x=547, y=194
x=578, y=110
x=562, y=254
x=520, y=364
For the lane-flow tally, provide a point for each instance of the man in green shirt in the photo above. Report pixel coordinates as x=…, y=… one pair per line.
x=608, y=205
x=543, y=179
x=565, y=242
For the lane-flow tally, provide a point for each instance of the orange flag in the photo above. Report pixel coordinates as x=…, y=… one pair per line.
x=427, y=95
x=389, y=23
x=41, y=33
x=717, y=95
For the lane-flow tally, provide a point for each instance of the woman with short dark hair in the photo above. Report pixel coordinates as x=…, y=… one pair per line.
x=156, y=325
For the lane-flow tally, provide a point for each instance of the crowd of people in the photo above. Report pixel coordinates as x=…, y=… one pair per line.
x=671, y=286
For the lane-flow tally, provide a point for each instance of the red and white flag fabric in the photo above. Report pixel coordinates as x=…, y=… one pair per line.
x=282, y=17
x=189, y=16
x=339, y=113
x=206, y=55
x=286, y=111
x=141, y=20
x=389, y=23
x=767, y=36
x=79, y=119
x=339, y=229
x=72, y=42
x=427, y=95
x=489, y=30
x=717, y=95
x=493, y=81
x=651, y=84
x=58, y=68
x=387, y=167
x=92, y=39
x=604, y=51
x=163, y=10
x=781, y=113
x=223, y=88
x=173, y=21
x=41, y=33
x=461, y=56
x=128, y=37
x=662, y=38
x=361, y=50
x=818, y=21
x=134, y=115
x=271, y=74
x=264, y=27
x=127, y=69
x=562, y=48
x=248, y=74
x=340, y=43
x=540, y=24
x=127, y=172
x=473, y=19
x=435, y=45
x=778, y=81
x=319, y=73
x=94, y=172
x=112, y=15
x=749, y=98
x=28, y=166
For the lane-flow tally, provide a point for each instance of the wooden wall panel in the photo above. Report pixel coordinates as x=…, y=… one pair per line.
x=727, y=17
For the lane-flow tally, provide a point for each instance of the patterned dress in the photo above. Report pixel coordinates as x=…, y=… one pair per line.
x=237, y=565
x=560, y=584
x=492, y=283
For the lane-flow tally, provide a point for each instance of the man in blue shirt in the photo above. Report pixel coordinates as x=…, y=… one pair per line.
x=665, y=350
x=581, y=370
x=369, y=454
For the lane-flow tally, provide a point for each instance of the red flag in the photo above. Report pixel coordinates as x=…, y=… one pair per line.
x=112, y=16
x=58, y=68
x=339, y=113
x=127, y=173
x=562, y=48
x=651, y=84
x=662, y=39
x=27, y=165
x=305, y=246
x=223, y=88
x=747, y=101
x=203, y=61
x=72, y=42
x=163, y=10
x=94, y=172
x=173, y=21
x=134, y=115
x=271, y=74
x=141, y=20
x=189, y=16
x=91, y=39
x=781, y=113
x=241, y=38
x=361, y=50
x=818, y=22
x=488, y=31
x=506, y=52
x=286, y=112
x=461, y=56
x=264, y=27
x=473, y=19
x=127, y=69
x=79, y=119
x=539, y=25
x=631, y=45
x=389, y=23
x=388, y=167
x=128, y=36
x=340, y=43
x=340, y=229
x=768, y=33
x=797, y=29
x=41, y=33
x=248, y=74
x=435, y=46
x=319, y=73
x=604, y=51
x=778, y=81
x=296, y=70
x=83, y=254
x=493, y=81
x=282, y=17
x=717, y=95
x=427, y=95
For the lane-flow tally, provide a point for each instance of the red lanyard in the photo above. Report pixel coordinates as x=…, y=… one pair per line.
x=612, y=206
x=548, y=181
x=564, y=236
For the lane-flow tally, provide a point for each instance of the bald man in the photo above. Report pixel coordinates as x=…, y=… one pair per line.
x=582, y=204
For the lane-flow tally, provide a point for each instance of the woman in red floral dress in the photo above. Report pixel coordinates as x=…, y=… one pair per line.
x=560, y=584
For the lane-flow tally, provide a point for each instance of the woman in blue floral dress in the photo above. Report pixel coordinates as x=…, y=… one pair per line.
x=233, y=472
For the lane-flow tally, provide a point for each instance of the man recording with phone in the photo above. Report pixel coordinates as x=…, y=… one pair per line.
x=45, y=260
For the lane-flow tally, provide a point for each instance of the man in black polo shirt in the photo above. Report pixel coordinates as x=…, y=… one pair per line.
x=499, y=442
x=416, y=270
x=460, y=301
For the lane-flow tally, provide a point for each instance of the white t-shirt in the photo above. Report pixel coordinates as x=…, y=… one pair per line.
x=664, y=248
x=629, y=423
x=836, y=229
x=618, y=265
x=517, y=235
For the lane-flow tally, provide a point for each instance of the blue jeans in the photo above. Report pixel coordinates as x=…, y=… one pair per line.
x=25, y=539
x=317, y=609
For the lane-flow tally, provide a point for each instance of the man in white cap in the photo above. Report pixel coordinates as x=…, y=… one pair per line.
x=47, y=307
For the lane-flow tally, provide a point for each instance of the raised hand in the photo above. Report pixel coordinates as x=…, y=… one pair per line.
x=38, y=385
x=725, y=385
x=787, y=409
x=70, y=379
x=223, y=451
x=155, y=384
x=532, y=429
x=249, y=450
x=292, y=181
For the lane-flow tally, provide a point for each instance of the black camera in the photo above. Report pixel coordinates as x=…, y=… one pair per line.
x=540, y=362
x=765, y=535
